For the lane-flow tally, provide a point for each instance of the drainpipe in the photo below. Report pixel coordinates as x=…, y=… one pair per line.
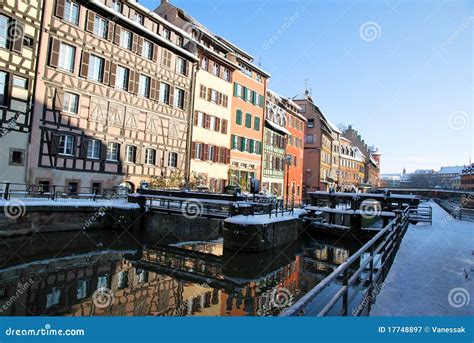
x=189, y=140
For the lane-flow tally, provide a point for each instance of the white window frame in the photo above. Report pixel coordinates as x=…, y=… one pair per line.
x=165, y=90
x=180, y=66
x=117, y=6
x=67, y=57
x=200, y=119
x=173, y=157
x=101, y=27
x=126, y=39
x=150, y=154
x=147, y=51
x=71, y=12
x=96, y=68
x=179, y=98
x=93, y=149
x=130, y=151
x=112, y=152
x=68, y=145
x=71, y=103
x=122, y=78
x=144, y=84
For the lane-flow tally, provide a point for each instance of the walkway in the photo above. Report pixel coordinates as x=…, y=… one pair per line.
x=432, y=262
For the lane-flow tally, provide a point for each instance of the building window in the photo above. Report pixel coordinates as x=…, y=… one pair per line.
x=100, y=27
x=199, y=152
x=20, y=82
x=4, y=23
x=71, y=12
x=204, y=63
x=53, y=297
x=3, y=87
x=166, y=60
x=179, y=41
x=144, y=86
x=165, y=93
x=96, y=68
x=212, y=123
x=43, y=186
x=166, y=34
x=226, y=74
x=150, y=156
x=147, y=51
x=303, y=108
x=81, y=289
x=214, y=96
x=179, y=98
x=309, y=139
x=239, y=90
x=215, y=69
x=67, y=55
x=93, y=148
x=121, y=82
x=66, y=145
x=310, y=123
x=180, y=66
x=70, y=103
x=238, y=117
x=117, y=6
x=248, y=120
x=256, y=124
x=112, y=152
x=130, y=154
x=210, y=152
x=17, y=157
x=126, y=39
x=139, y=18
x=200, y=119
x=172, y=159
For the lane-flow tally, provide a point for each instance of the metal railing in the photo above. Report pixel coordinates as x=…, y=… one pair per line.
x=456, y=210
x=23, y=191
x=374, y=258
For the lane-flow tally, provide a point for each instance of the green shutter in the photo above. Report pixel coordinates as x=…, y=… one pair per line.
x=244, y=93
x=234, y=142
x=252, y=146
x=242, y=145
x=254, y=98
x=238, y=117
x=262, y=101
x=256, y=124
x=259, y=148
x=235, y=88
x=248, y=120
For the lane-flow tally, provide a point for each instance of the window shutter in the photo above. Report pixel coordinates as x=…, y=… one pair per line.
x=224, y=126
x=238, y=117
x=227, y=156
x=218, y=124
x=117, y=33
x=244, y=93
x=58, y=99
x=54, y=56
x=153, y=89
x=233, y=142
x=193, y=150
x=60, y=6
x=242, y=144
x=186, y=68
x=196, y=117
x=186, y=101
x=155, y=53
x=219, y=98
x=171, y=102
x=132, y=14
x=17, y=39
x=235, y=88
x=134, y=42
x=207, y=121
x=110, y=31
x=216, y=154
x=131, y=81
x=103, y=152
x=140, y=45
x=83, y=149
x=113, y=74
x=85, y=64
x=54, y=144
x=205, y=152
x=90, y=21
x=209, y=94
x=106, y=77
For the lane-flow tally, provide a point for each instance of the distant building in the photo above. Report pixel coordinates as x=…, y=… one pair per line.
x=448, y=177
x=467, y=178
x=390, y=180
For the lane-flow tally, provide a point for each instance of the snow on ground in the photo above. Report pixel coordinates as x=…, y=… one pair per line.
x=116, y=203
x=432, y=272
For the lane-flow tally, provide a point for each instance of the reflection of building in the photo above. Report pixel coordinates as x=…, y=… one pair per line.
x=113, y=96
x=20, y=25
x=210, y=151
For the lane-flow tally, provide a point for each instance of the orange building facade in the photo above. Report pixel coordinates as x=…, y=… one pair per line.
x=247, y=122
x=295, y=124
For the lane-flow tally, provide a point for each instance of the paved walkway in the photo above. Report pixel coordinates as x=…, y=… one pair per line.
x=433, y=271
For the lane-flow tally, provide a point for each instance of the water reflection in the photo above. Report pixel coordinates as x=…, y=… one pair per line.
x=149, y=279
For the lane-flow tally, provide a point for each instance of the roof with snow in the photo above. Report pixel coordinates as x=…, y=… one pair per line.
x=451, y=170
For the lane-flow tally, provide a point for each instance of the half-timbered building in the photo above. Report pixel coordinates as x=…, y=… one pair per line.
x=20, y=26
x=113, y=96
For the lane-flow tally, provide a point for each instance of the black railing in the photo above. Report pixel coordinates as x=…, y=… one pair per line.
x=371, y=264
x=23, y=191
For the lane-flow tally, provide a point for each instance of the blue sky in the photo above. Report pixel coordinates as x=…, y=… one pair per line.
x=406, y=82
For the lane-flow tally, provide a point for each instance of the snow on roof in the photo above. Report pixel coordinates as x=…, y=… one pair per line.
x=264, y=218
x=334, y=127
x=451, y=170
x=277, y=127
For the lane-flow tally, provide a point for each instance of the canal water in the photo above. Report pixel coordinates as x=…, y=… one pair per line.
x=121, y=273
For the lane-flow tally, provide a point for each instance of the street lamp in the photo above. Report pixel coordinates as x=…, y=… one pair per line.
x=288, y=162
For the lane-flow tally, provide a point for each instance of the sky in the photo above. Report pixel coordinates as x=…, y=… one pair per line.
x=400, y=72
